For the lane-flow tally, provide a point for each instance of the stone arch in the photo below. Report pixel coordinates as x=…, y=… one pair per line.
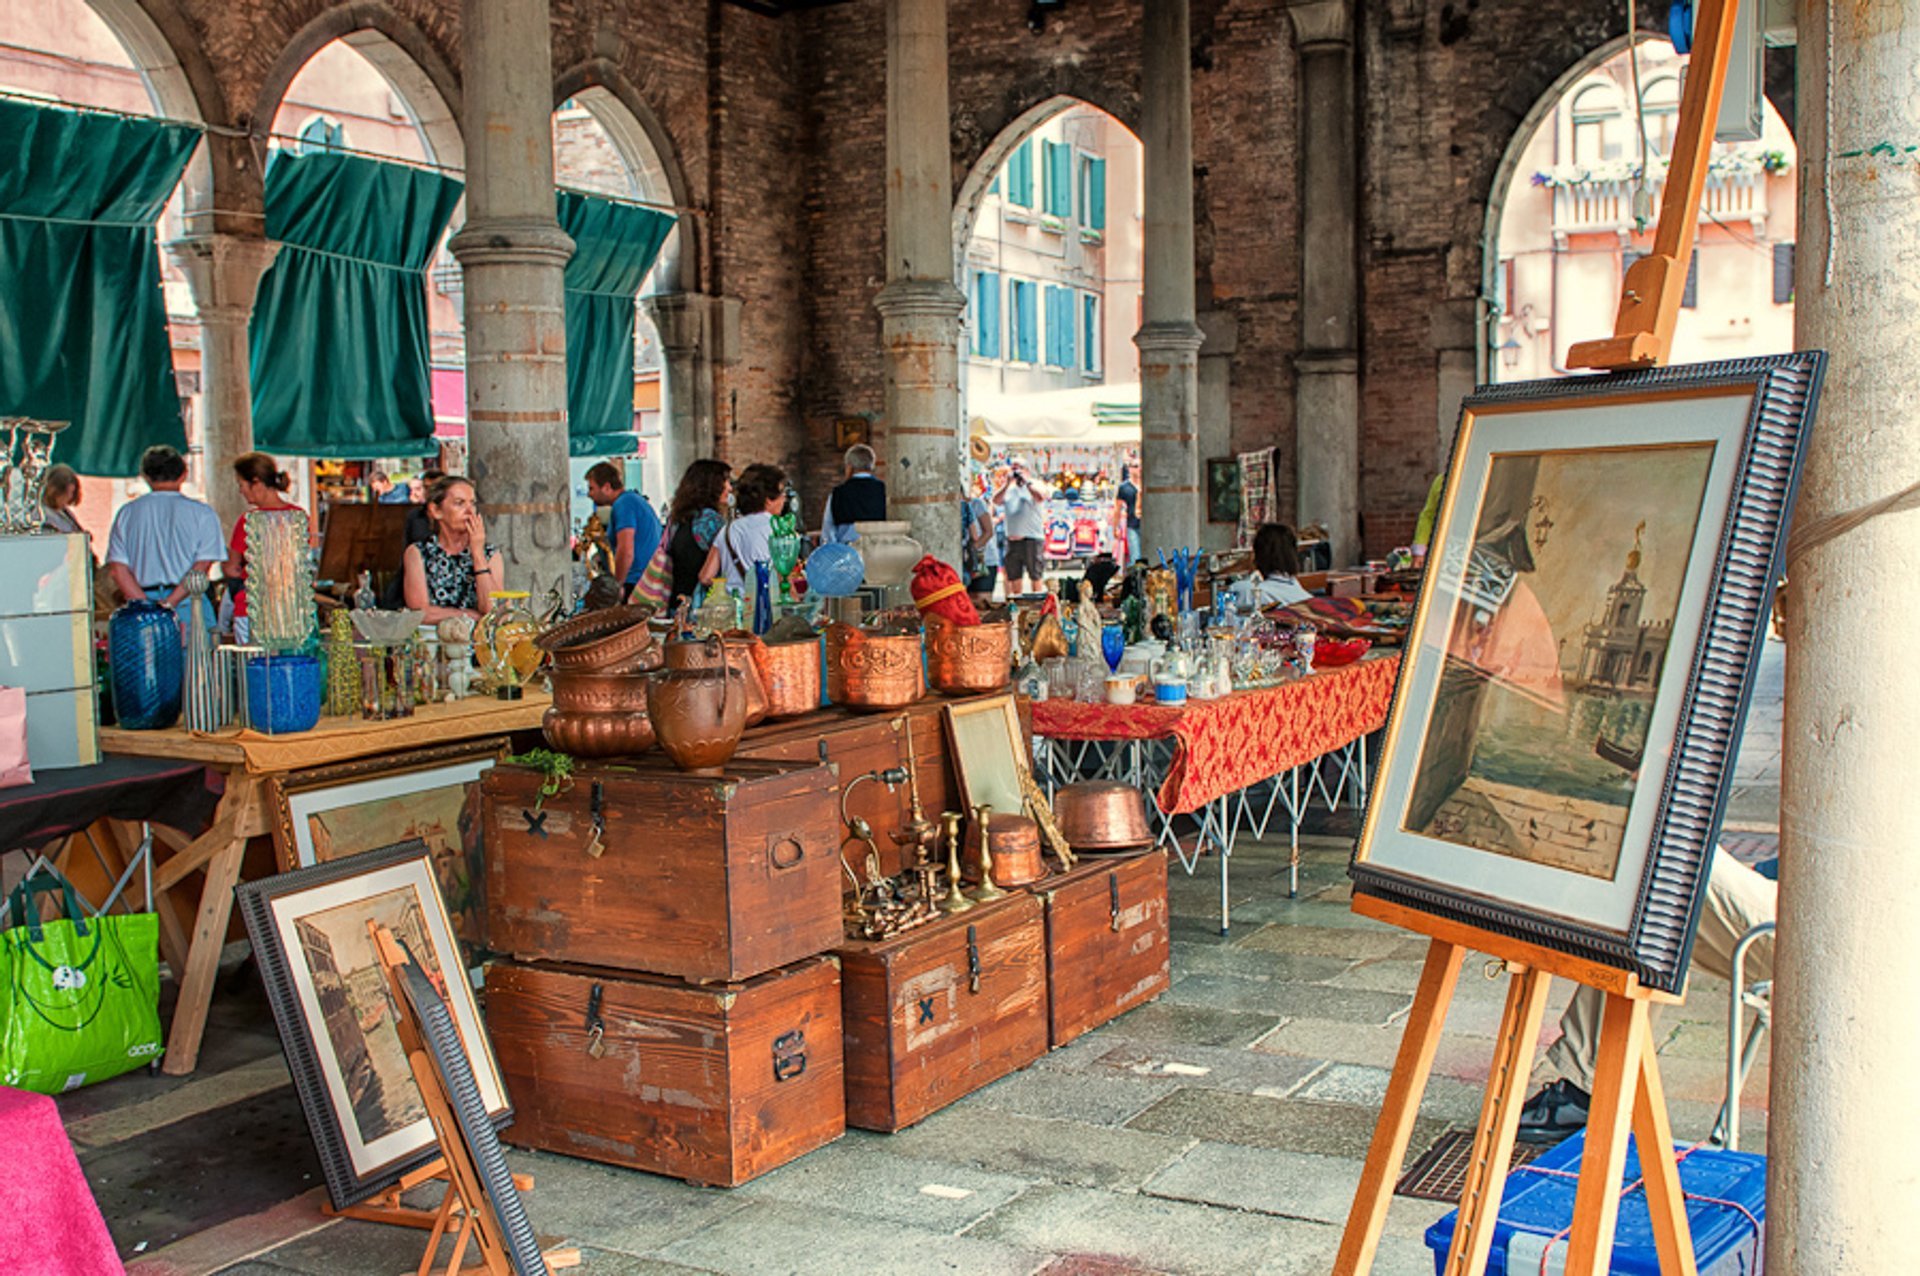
x=178, y=82
x=647, y=149
x=399, y=50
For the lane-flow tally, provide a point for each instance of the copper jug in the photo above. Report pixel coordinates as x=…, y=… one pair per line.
x=698, y=715
x=873, y=671
x=789, y=675
x=736, y=650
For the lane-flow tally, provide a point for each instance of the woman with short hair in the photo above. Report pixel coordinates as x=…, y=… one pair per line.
x=1276, y=562
x=58, y=495
x=757, y=498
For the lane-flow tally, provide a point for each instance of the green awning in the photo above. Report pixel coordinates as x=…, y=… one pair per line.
x=615, y=244
x=83, y=322
x=339, y=333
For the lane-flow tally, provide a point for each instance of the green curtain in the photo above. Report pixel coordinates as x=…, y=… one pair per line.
x=338, y=342
x=614, y=245
x=83, y=325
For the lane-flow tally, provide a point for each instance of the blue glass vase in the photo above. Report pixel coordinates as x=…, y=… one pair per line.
x=143, y=647
x=1113, y=645
x=283, y=693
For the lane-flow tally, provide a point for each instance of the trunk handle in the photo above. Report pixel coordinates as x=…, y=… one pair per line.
x=973, y=959
x=1113, y=900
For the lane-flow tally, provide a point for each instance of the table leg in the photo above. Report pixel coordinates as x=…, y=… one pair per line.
x=237, y=819
x=1293, y=837
x=1226, y=853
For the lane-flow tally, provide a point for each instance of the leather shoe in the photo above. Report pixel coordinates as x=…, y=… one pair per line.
x=1554, y=1112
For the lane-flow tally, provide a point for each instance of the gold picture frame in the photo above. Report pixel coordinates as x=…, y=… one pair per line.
x=989, y=753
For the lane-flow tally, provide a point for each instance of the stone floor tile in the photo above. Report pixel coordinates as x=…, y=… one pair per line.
x=1316, y=1038
x=1153, y=1233
x=1039, y=1149
x=1175, y=1024
x=1112, y=1100
x=1330, y=941
x=1226, y=959
x=1211, y=1068
x=772, y=1238
x=867, y=1174
x=614, y=1208
x=1262, y=1180
x=1095, y=1265
x=1288, y=1000
x=254, y=1267
x=1293, y=1125
x=349, y=1246
x=1445, y=1098
x=607, y=1262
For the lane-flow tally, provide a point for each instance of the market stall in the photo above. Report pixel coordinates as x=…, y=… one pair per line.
x=1077, y=441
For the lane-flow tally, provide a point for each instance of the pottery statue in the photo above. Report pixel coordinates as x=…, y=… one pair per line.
x=698, y=715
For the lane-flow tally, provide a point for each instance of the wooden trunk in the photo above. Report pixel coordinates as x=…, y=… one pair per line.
x=1107, y=941
x=940, y=1011
x=703, y=877
x=715, y=1084
x=857, y=744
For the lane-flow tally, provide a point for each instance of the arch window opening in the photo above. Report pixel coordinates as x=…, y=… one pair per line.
x=1561, y=229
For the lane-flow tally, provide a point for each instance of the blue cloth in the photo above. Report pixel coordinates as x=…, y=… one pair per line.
x=631, y=513
x=395, y=495
x=161, y=535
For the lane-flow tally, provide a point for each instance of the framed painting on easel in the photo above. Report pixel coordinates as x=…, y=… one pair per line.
x=1579, y=664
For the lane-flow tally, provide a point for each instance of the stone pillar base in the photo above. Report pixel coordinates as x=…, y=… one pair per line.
x=920, y=330
x=1170, y=513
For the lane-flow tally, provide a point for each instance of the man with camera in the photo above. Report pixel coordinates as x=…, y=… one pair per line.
x=1023, y=504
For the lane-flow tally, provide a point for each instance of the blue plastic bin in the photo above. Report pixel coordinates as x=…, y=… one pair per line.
x=1537, y=1207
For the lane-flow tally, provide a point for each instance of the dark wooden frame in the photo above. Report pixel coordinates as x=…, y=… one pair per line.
x=1224, y=499
x=283, y=788
x=1657, y=943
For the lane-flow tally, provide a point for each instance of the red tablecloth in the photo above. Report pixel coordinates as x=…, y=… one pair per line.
x=1224, y=745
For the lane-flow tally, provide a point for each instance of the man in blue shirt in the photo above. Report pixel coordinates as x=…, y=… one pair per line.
x=633, y=526
x=159, y=538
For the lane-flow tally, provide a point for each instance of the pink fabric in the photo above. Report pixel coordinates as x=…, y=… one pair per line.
x=15, y=769
x=53, y=1227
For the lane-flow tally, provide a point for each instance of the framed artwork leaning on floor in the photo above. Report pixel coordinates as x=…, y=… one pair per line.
x=310, y=933
x=1581, y=657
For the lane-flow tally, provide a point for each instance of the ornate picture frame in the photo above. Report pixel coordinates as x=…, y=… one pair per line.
x=1558, y=755
x=989, y=753
x=330, y=1003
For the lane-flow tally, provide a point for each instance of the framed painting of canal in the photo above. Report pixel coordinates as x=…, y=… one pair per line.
x=1560, y=747
x=310, y=931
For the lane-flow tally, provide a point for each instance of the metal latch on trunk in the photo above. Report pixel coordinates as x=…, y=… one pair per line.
x=596, y=1026
x=789, y=1055
x=973, y=959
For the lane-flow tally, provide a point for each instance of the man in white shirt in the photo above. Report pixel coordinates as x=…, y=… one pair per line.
x=1023, y=504
x=157, y=540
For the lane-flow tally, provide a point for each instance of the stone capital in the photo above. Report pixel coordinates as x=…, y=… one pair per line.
x=511, y=241
x=1321, y=25
x=223, y=271
x=920, y=299
x=1172, y=339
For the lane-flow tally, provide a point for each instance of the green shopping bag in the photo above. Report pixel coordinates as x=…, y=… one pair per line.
x=79, y=995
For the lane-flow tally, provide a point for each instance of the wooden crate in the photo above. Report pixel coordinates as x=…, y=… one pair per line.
x=922, y=1030
x=857, y=743
x=1107, y=941
x=715, y=1084
x=705, y=878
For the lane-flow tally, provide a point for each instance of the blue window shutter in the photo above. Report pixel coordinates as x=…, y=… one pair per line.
x=1057, y=183
x=1020, y=175
x=986, y=314
x=1090, y=323
x=1067, y=327
x=1096, y=215
x=1060, y=325
x=1026, y=344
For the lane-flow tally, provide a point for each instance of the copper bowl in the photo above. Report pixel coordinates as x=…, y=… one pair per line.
x=789, y=675
x=873, y=671
x=964, y=660
x=611, y=640
x=596, y=692
x=1101, y=815
x=598, y=735
x=735, y=650
x=1015, y=843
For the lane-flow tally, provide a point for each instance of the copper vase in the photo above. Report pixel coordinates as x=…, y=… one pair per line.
x=736, y=650
x=698, y=715
x=789, y=675
x=965, y=660
x=873, y=671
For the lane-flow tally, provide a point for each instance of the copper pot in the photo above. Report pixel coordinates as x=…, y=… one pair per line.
x=598, y=735
x=597, y=692
x=873, y=671
x=698, y=715
x=1015, y=843
x=611, y=640
x=736, y=650
x=964, y=660
x=790, y=676
x=1101, y=815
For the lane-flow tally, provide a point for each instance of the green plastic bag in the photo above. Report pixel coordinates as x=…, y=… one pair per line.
x=79, y=996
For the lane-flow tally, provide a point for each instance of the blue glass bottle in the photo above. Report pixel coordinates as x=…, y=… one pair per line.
x=143, y=646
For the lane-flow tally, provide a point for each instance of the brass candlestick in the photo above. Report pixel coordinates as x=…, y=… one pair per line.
x=988, y=892
x=920, y=832
x=956, y=900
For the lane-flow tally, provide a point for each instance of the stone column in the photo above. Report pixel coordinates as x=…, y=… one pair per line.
x=920, y=306
x=1327, y=387
x=1220, y=332
x=1169, y=338
x=223, y=273
x=1845, y=1107
x=512, y=254
x=687, y=326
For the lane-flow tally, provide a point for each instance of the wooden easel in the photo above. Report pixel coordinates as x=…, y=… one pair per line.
x=1627, y=1097
x=465, y=1207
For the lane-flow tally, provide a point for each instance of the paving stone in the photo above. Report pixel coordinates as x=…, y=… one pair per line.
x=1092, y=1265
x=1287, y=1000
x=1316, y=1038
x=606, y=1262
x=1263, y=1180
x=1158, y=1234
x=1228, y=960
x=614, y=1208
x=350, y=1246
x=1445, y=1098
x=1381, y=975
x=1039, y=1149
x=1113, y=1100
x=772, y=1238
x=1211, y=1067
x=866, y=1174
x=1294, y=1125
x=1331, y=941
x=255, y=1267
x=1175, y=1024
